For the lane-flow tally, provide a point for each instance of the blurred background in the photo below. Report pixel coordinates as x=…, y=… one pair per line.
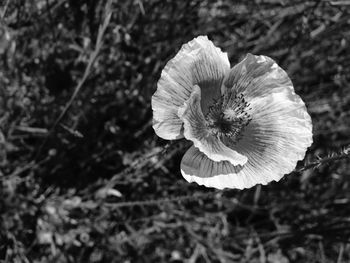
x=84, y=178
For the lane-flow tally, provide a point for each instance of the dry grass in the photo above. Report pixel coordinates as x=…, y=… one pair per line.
x=101, y=187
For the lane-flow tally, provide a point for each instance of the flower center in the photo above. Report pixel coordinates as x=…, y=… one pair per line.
x=228, y=116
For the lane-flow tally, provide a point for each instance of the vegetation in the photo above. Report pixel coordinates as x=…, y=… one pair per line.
x=83, y=177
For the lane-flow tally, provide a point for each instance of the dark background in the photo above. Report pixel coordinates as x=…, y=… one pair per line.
x=97, y=185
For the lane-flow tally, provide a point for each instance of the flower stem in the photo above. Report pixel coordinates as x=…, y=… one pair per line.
x=343, y=155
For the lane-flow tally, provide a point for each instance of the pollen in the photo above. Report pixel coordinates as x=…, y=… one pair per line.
x=228, y=116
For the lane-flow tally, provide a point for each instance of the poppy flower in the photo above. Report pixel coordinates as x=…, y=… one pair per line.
x=246, y=123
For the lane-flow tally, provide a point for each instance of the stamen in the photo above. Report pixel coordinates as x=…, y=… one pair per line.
x=228, y=116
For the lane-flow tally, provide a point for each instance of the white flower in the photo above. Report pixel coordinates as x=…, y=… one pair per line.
x=246, y=123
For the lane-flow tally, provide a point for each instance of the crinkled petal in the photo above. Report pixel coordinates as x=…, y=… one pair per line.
x=197, y=167
x=195, y=130
x=257, y=76
x=276, y=138
x=198, y=62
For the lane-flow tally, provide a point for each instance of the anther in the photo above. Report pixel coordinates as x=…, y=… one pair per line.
x=228, y=116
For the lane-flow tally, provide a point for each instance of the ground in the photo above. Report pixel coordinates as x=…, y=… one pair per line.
x=83, y=176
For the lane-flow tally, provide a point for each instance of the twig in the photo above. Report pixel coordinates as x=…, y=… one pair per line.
x=341, y=252
x=161, y=201
x=168, y=151
x=31, y=129
x=30, y=166
x=92, y=59
x=5, y=9
x=340, y=2
x=322, y=161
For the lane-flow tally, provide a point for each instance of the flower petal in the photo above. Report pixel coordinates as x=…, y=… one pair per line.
x=198, y=62
x=195, y=129
x=197, y=167
x=257, y=76
x=275, y=139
